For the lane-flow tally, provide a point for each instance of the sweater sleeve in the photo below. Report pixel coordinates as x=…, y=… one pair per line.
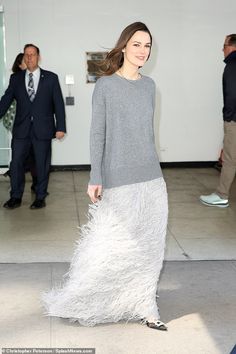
x=153, y=107
x=97, y=133
x=59, y=106
x=153, y=95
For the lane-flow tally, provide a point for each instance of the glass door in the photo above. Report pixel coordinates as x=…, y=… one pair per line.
x=4, y=133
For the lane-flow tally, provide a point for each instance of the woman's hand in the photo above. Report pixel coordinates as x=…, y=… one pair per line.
x=94, y=192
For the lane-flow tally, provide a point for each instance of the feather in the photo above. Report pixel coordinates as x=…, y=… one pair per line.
x=117, y=261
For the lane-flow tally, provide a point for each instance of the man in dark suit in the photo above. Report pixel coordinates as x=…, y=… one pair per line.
x=40, y=117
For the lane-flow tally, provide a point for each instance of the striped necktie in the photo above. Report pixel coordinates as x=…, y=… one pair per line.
x=31, y=91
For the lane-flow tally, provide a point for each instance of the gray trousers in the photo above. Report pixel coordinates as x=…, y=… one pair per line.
x=228, y=170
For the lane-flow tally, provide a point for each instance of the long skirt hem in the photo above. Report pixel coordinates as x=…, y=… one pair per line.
x=117, y=261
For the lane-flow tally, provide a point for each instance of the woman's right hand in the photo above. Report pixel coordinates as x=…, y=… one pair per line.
x=94, y=192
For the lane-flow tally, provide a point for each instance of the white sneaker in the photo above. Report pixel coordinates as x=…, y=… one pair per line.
x=214, y=200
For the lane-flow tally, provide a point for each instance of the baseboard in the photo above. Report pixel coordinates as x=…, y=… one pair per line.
x=189, y=164
x=70, y=168
x=182, y=164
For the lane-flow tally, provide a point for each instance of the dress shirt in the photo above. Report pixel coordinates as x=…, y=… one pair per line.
x=36, y=77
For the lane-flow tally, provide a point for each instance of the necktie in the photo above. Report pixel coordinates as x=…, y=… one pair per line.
x=31, y=91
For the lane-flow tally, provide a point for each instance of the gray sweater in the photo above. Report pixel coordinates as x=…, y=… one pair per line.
x=122, y=145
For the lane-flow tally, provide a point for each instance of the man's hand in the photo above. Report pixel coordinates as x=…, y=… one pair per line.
x=94, y=192
x=60, y=135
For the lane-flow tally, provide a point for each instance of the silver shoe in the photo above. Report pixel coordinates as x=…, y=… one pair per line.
x=157, y=324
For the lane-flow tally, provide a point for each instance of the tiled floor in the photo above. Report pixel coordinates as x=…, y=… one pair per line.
x=197, y=287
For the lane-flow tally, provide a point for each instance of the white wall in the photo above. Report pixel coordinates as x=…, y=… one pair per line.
x=186, y=64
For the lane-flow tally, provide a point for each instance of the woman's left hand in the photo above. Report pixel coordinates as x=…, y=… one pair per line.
x=94, y=192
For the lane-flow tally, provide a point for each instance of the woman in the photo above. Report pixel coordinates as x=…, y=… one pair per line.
x=115, y=269
x=8, y=119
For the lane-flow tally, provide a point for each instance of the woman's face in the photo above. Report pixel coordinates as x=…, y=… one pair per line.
x=137, y=49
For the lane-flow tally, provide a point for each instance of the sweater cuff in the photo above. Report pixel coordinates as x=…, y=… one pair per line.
x=95, y=178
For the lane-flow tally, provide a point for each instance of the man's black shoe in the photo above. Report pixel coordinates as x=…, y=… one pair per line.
x=38, y=204
x=12, y=203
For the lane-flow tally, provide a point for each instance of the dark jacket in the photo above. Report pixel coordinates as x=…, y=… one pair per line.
x=46, y=113
x=229, y=88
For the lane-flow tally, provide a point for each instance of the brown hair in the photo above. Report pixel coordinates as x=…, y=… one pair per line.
x=115, y=58
x=32, y=45
x=231, y=40
x=16, y=65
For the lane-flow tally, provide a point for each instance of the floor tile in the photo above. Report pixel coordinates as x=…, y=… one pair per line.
x=188, y=209
x=205, y=228
x=208, y=248
x=191, y=302
x=22, y=321
x=56, y=226
x=173, y=250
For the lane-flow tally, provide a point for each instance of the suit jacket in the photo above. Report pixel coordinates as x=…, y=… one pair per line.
x=229, y=88
x=46, y=113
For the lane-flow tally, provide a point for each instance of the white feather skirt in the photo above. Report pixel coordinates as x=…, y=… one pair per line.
x=116, y=265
